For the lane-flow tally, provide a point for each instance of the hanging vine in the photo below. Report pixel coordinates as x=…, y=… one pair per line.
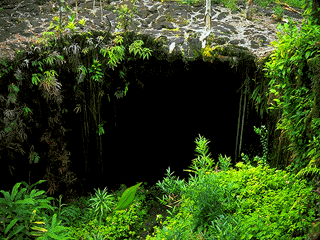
x=242, y=116
x=238, y=126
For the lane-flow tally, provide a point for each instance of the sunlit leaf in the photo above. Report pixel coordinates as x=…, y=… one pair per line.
x=127, y=197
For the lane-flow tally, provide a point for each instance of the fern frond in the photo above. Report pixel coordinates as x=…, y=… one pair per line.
x=311, y=168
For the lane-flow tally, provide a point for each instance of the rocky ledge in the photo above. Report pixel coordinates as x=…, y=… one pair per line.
x=182, y=25
x=179, y=26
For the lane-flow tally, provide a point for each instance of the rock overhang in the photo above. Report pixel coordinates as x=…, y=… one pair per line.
x=181, y=30
x=197, y=48
x=181, y=27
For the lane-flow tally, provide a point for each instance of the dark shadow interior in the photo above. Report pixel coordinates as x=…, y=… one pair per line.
x=155, y=125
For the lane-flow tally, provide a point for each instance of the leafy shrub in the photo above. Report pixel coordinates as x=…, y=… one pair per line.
x=248, y=203
x=125, y=224
x=20, y=210
x=117, y=225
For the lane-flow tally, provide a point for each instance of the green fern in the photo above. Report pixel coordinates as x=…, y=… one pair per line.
x=311, y=168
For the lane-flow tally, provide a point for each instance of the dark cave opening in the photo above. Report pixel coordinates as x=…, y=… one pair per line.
x=155, y=127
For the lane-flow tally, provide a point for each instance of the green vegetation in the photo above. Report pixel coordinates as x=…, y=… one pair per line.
x=250, y=201
x=243, y=203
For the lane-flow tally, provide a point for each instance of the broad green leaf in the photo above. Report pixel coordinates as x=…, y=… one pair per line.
x=13, y=222
x=307, y=54
x=16, y=231
x=15, y=190
x=127, y=198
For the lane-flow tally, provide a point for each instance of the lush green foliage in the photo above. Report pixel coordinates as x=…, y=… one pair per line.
x=19, y=209
x=292, y=92
x=248, y=203
x=251, y=203
x=77, y=220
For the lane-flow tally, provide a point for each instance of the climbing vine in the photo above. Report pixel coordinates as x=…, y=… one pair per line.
x=293, y=91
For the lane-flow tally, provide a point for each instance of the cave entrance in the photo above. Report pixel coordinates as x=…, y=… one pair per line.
x=156, y=127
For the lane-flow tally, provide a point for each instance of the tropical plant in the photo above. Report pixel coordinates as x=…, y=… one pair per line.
x=18, y=214
x=291, y=94
x=102, y=202
x=52, y=231
x=125, y=12
x=17, y=209
x=124, y=224
x=248, y=203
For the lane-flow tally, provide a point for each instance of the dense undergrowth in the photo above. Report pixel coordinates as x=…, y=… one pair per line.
x=250, y=201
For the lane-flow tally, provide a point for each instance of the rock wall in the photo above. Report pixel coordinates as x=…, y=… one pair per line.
x=183, y=25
